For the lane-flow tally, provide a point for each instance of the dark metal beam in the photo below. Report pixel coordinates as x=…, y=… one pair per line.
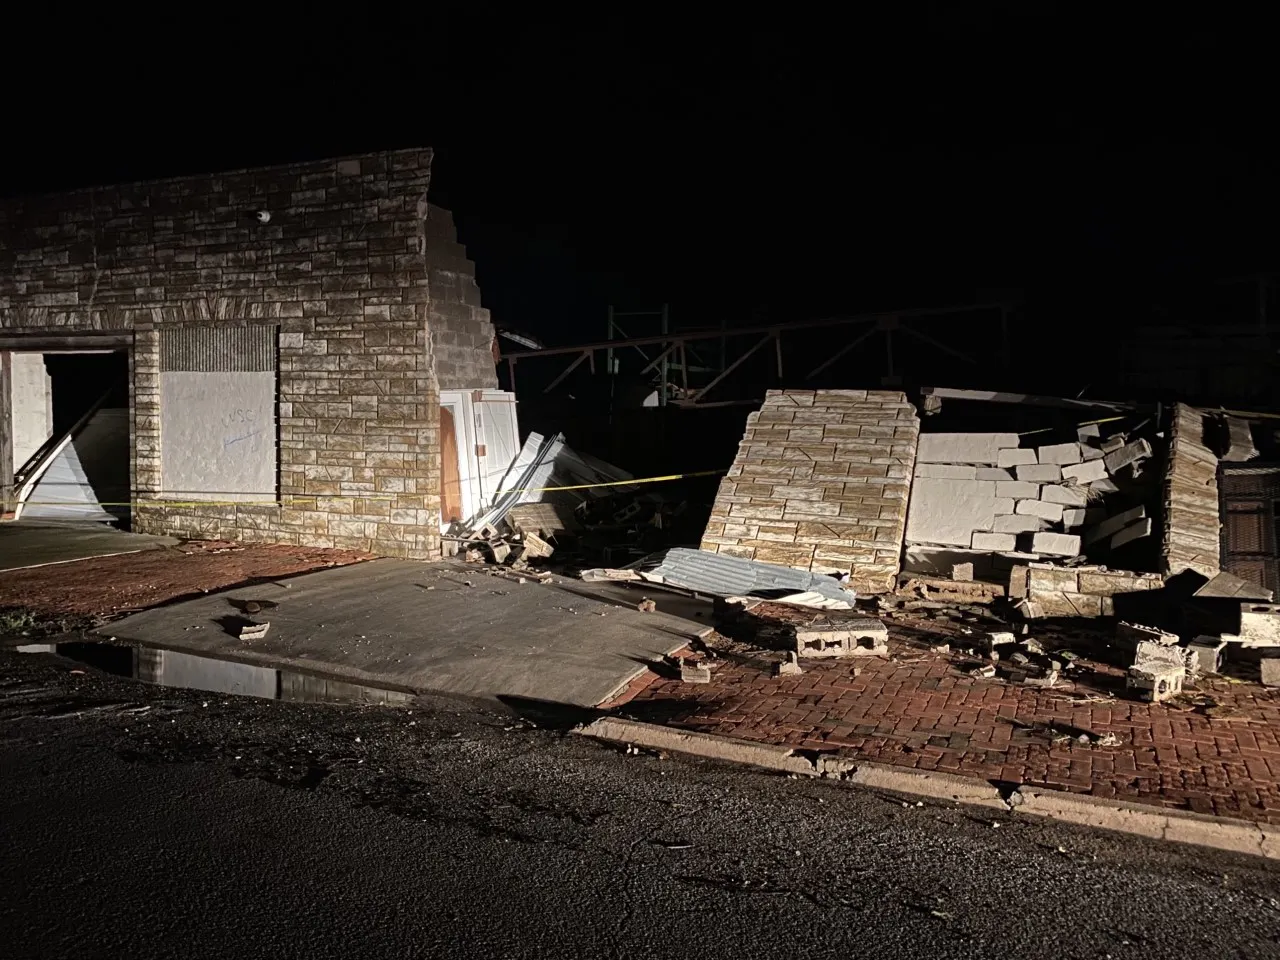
x=773, y=329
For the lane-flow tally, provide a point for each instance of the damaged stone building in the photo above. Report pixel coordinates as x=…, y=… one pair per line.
x=295, y=354
x=1061, y=506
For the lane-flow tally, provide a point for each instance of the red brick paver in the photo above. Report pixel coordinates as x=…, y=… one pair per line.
x=1214, y=752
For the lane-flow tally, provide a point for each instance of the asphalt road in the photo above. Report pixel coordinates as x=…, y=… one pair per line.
x=145, y=822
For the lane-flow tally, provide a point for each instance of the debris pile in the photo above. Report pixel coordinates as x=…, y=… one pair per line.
x=551, y=496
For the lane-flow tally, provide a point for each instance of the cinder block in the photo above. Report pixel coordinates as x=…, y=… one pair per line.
x=1039, y=473
x=1018, y=489
x=1056, y=544
x=975, y=448
x=1015, y=458
x=1155, y=683
x=1129, y=453
x=1059, y=453
x=1132, y=532
x=1208, y=653
x=1018, y=524
x=1067, y=496
x=1086, y=472
x=1038, y=508
x=946, y=471
x=1260, y=624
x=995, y=542
x=864, y=637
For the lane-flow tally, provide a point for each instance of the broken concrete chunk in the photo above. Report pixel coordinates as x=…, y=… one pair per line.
x=1260, y=624
x=1113, y=443
x=1104, y=486
x=1086, y=472
x=646, y=606
x=1018, y=524
x=1135, y=531
x=1030, y=609
x=865, y=637
x=1270, y=671
x=987, y=671
x=1059, y=453
x=1150, y=653
x=1056, y=544
x=995, y=542
x=1073, y=517
x=993, y=473
x=1140, y=449
x=1155, y=683
x=788, y=667
x=1039, y=473
x=1047, y=679
x=1017, y=490
x=694, y=671
x=1129, y=635
x=535, y=546
x=254, y=631
x=1067, y=496
x=962, y=572
x=500, y=551
x=1088, y=431
x=1038, y=508
x=1015, y=458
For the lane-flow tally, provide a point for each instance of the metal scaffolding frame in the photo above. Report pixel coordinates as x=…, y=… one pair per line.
x=674, y=346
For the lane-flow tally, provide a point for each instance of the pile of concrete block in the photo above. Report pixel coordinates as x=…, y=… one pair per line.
x=984, y=492
x=1046, y=590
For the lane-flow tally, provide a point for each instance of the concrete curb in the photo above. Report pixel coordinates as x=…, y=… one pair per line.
x=1220, y=833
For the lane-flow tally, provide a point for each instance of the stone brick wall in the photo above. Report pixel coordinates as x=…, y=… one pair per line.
x=339, y=270
x=820, y=483
x=1192, y=527
x=461, y=333
x=1074, y=591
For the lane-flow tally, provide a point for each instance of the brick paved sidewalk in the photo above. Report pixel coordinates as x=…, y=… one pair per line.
x=1217, y=750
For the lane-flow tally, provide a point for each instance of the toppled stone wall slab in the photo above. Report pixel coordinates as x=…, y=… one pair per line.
x=820, y=483
x=1077, y=591
x=1191, y=522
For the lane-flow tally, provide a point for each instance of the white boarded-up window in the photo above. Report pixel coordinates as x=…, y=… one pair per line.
x=218, y=413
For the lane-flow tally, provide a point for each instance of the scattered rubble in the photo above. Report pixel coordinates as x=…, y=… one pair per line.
x=789, y=666
x=254, y=631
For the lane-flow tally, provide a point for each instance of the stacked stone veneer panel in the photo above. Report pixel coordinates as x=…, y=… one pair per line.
x=338, y=270
x=1075, y=591
x=820, y=483
x=1192, y=527
x=461, y=332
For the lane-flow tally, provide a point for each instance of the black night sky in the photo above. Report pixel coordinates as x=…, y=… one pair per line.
x=787, y=167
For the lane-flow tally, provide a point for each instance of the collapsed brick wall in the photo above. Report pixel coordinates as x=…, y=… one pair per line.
x=820, y=483
x=461, y=333
x=338, y=270
x=1192, y=527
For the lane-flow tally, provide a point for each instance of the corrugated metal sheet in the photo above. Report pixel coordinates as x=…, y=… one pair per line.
x=724, y=576
x=219, y=349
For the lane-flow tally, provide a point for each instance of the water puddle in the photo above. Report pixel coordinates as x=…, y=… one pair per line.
x=171, y=668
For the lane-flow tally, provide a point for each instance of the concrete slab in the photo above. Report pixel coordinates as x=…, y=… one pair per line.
x=420, y=626
x=34, y=543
